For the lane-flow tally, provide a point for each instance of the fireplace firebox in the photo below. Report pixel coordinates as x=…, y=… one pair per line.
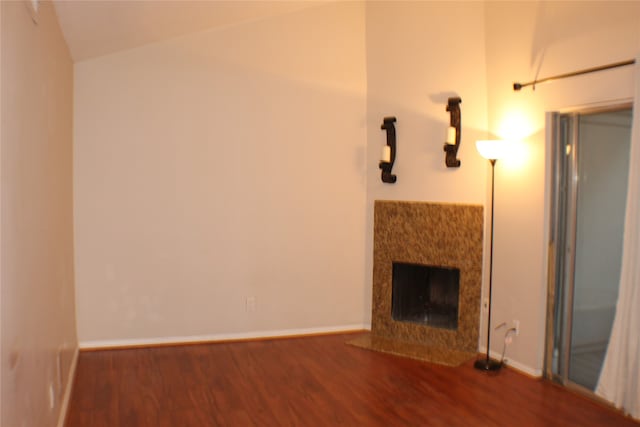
x=425, y=295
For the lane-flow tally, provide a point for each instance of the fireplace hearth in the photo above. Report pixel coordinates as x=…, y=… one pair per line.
x=438, y=247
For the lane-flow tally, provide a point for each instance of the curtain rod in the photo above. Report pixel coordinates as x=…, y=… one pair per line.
x=518, y=86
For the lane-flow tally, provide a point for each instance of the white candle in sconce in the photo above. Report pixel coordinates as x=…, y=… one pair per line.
x=386, y=154
x=451, y=135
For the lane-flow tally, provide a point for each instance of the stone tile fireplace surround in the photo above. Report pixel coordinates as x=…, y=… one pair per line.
x=430, y=234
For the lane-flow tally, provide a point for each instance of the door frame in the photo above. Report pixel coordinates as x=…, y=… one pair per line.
x=558, y=235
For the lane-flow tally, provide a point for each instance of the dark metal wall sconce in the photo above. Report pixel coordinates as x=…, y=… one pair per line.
x=453, y=135
x=389, y=150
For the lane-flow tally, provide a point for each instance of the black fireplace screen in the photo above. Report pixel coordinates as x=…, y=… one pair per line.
x=425, y=294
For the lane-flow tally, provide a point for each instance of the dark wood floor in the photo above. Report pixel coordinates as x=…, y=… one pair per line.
x=312, y=381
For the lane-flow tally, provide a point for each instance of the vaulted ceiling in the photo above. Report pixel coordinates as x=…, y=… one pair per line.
x=97, y=27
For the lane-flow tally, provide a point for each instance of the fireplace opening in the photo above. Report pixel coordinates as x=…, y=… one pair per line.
x=425, y=294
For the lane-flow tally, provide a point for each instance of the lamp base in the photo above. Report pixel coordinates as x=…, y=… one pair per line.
x=487, y=365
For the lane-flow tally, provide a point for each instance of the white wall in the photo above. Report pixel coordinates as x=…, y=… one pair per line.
x=218, y=166
x=2, y=36
x=418, y=55
x=38, y=323
x=526, y=40
x=179, y=217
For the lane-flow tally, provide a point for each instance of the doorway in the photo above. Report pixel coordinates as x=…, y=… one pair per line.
x=590, y=161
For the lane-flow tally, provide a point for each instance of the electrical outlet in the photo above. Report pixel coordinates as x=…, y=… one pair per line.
x=250, y=304
x=516, y=326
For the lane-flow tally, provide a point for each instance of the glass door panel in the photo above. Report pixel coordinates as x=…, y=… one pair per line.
x=591, y=160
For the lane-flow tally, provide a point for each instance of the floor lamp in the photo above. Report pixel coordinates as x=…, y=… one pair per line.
x=491, y=150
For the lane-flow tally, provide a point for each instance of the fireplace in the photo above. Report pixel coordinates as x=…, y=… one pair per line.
x=426, y=295
x=439, y=246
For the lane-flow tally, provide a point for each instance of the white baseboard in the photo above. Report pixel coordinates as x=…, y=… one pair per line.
x=525, y=369
x=140, y=342
x=537, y=373
x=68, y=389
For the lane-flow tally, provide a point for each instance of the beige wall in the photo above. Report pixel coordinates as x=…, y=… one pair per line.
x=231, y=163
x=181, y=212
x=219, y=166
x=38, y=322
x=418, y=55
x=526, y=40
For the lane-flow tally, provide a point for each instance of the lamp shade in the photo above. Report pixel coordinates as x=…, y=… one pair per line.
x=492, y=149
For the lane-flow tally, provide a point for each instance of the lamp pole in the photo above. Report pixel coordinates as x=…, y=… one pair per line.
x=488, y=364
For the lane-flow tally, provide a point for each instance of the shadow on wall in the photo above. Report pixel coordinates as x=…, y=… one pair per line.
x=558, y=22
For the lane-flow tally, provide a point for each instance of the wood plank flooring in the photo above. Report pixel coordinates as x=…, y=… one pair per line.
x=311, y=381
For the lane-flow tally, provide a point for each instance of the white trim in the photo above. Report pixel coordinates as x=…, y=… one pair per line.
x=135, y=342
x=523, y=368
x=514, y=364
x=62, y=416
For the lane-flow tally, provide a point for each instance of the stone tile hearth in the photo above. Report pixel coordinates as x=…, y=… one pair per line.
x=433, y=234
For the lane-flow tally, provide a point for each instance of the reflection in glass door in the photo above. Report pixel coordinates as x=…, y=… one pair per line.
x=591, y=163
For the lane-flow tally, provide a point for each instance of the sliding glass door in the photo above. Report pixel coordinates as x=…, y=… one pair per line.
x=591, y=163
